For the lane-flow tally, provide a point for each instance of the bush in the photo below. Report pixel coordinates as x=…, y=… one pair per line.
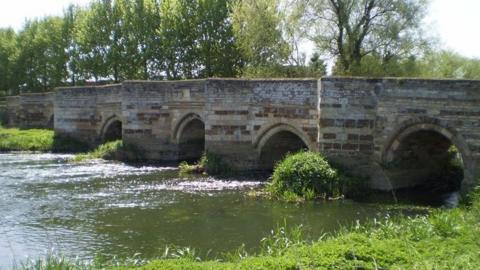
x=306, y=175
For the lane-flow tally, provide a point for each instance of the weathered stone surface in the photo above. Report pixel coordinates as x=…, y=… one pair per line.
x=358, y=122
x=30, y=110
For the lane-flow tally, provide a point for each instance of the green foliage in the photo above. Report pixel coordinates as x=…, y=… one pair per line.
x=41, y=61
x=358, y=28
x=14, y=139
x=210, y=163
x=448, y=64
x=303, y=174
x=8, y=55
x=256, y=27
x=280, y=239
x=109, y=151
x=54, y=262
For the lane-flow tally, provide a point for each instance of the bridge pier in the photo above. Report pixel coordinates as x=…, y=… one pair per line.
x=362, y=124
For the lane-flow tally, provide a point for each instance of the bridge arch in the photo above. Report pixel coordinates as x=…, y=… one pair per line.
x=423, y=150
x=276, y=141
x=189, y=135
x=111, y=129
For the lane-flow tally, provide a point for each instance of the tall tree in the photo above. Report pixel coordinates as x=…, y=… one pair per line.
x=8, y=54
x=218, y=54
x=257, y=29
x=353, y=29
x=142, y=44
x=41, y=62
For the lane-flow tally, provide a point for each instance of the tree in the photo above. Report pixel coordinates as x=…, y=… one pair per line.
x=8, y=54
x=448, y=64
x=352, y=29
x=218, y=54
x=92, y=36
x=41, y=62
x=257, y=30
x=143, y=47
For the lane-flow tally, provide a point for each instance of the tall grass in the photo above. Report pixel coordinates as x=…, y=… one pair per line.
x=14, y=139
x=42, y=140
x=109, y=151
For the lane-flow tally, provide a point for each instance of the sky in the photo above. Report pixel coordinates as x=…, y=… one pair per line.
x=456, y=22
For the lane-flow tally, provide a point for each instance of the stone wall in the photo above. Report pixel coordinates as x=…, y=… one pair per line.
x=360, y=123
x=154, y=111
x=83, y=112
x=363, y=121
x=241, y=116
x=30, y=110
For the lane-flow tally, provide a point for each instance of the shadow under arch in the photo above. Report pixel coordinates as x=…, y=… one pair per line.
x=189, y=135
x=51, y=122
x=277, y=141
x=111, y=129
x=419, y=153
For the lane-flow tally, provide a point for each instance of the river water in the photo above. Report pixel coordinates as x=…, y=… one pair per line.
x=111, y=209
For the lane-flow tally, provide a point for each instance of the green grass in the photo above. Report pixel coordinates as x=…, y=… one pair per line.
x=42, y=140
x=108, y=151
x=209, y=163
x=13, y=139
x=445, y=239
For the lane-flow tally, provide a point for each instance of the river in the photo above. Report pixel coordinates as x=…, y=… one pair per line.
x=111, y=209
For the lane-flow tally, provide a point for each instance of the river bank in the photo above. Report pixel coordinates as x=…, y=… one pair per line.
x=445, y=239
x=112, y=209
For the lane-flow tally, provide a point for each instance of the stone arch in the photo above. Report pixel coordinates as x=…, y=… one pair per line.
x=189, y=135
x=433, y=133
x=278, y=140
x=111, y=129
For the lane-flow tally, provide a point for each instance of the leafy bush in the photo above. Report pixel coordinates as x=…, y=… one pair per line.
x=304, y=174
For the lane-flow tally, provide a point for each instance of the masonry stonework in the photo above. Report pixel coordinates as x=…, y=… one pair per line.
x=360, y=123
x=30, y=110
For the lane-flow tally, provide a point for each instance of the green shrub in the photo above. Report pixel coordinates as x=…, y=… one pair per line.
x=305, y=174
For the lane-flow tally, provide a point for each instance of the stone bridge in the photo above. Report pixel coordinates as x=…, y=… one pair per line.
x=363, y=124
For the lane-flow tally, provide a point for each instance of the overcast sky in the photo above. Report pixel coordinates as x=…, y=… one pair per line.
x=456, y=22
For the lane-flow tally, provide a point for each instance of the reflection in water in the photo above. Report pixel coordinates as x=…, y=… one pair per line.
x=112, y=209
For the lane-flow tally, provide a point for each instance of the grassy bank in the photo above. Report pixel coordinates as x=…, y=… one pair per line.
x=42, y=140
x=13, y=139
x=108, y=151
x=446, y=239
